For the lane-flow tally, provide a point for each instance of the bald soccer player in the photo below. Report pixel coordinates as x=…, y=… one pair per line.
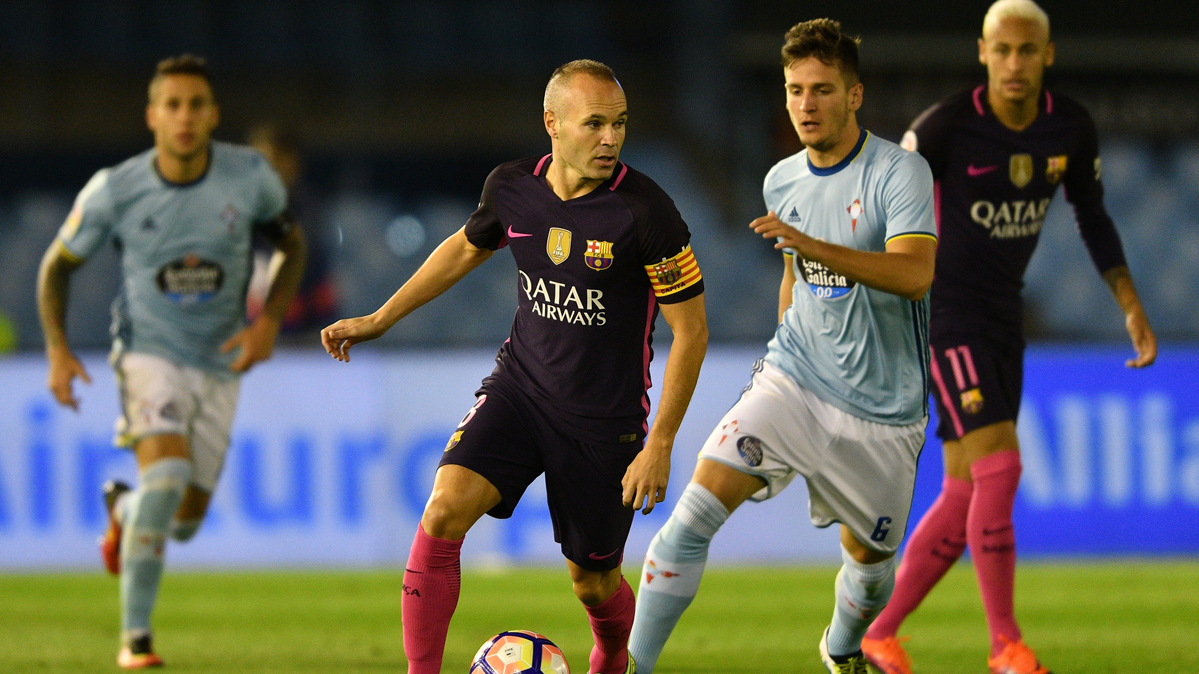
x=999, y=153
x=600, y=250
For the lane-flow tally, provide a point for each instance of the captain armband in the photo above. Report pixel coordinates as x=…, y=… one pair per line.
x=674, y=275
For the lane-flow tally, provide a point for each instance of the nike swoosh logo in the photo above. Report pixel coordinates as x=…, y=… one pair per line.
x=992, y=532
x=593, y=555
x=979, y=170
x=517, y=235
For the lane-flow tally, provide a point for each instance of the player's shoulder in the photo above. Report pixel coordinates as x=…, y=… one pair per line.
x=1066, y=109
x=125, y=180
x=630, y=183
x=786, y=170
x=231, y=158
x=518, y=168
x=963, y=105
x=886, y=155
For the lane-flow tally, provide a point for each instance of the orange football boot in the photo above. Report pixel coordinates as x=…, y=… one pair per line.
x=1016, y=658
x=110, y=543
x=887, y=655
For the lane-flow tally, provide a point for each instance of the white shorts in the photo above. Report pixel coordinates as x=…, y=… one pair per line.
x=859, y=473
x=159, y=397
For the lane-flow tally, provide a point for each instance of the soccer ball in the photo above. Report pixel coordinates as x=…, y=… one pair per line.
x=519, y=652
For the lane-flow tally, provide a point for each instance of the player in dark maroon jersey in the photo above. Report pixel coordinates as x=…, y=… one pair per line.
x=600, y=250
x=998, y=154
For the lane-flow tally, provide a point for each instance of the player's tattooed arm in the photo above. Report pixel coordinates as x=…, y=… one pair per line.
x=646, y=479
x=257, y=340
x=905, y=269
x=788, y=284
x=452, y=260
x=53, y=282
x=1119, y=281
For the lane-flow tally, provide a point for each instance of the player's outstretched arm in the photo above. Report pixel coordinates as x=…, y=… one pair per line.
x=1119, y=281
x=53, y=281
x=453, y=259
x=646, y=478
x=257, y=340
x=905, y=269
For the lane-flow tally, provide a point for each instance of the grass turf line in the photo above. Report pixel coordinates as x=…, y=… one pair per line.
x=1105, y=618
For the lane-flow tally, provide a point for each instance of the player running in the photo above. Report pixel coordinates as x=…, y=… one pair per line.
x=182, y=215
x=841, y=397
x=998, y=153
x=599, y=250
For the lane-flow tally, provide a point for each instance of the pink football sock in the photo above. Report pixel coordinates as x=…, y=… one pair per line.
x=431, y=582
x=611, y=623
x=934, y=546
x=993, y=542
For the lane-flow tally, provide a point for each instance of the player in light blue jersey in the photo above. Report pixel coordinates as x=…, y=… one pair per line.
x=182, y=216
x=841, y=397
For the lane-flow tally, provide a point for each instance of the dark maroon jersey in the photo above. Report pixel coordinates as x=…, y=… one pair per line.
x=591, y=272
x=993, y=188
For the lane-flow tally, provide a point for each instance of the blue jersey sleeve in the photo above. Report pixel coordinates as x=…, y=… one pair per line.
x=91, y=219
x=908, y=198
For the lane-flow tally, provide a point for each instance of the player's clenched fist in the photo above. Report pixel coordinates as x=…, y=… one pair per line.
x=339, y=337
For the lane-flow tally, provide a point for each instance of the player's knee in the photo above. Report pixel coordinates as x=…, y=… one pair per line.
x=594, y=588
x=446, y=519
x=184, y=530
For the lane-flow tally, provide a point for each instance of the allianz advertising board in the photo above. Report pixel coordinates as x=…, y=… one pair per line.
x=331, y=464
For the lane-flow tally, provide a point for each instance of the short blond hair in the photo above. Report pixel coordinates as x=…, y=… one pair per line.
x=1015, y=9
x=566, y=72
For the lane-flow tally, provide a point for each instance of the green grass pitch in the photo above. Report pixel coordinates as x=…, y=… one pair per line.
x=1081, y=617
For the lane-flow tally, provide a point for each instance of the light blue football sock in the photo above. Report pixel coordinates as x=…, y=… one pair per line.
x=862, y=592
x=148, y=513
x=673, y=567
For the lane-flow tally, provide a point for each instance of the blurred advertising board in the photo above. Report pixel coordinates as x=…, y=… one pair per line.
x=331, y=464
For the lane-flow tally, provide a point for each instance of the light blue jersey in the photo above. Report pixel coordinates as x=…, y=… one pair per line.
x=185, y=249
x=859, y=349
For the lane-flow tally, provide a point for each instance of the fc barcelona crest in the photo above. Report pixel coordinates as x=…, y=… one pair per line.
x=972, y=401
x=668, y=273
x=598, y=255
x=1056, y=169
x=557, y=246
x=1020, y=169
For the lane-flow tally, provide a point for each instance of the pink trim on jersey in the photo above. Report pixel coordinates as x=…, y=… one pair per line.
x=952, y=355
x=946, y=400
x=623, y=170
x=969, y=361
x=541, y=164
x=978, y=101
x=1048, y=102
x=646, y=354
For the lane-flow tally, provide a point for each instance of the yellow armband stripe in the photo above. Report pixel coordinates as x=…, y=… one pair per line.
x=674, y=274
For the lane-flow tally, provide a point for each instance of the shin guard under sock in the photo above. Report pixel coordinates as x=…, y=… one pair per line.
x=147, y=516
x=862, y=592
x=993, y=542
x=673, y=567
x=432, y=580
x=611, y=623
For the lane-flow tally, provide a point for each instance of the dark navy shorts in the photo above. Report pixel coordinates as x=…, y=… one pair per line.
x=508, y=439
x=976, y=382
